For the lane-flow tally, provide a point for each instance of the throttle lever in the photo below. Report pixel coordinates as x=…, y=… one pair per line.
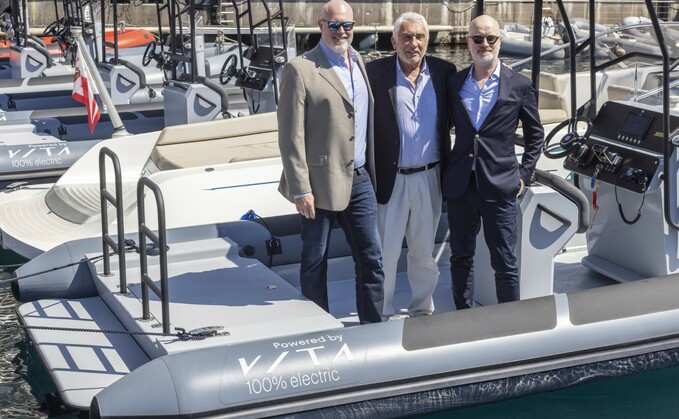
x=605, y=156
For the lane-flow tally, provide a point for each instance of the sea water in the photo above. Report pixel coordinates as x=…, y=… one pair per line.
x=26, y=390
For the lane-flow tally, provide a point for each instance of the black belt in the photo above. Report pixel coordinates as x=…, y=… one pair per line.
x=357, y=171
x=411, y=170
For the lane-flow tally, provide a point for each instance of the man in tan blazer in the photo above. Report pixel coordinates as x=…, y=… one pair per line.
x=325, y=114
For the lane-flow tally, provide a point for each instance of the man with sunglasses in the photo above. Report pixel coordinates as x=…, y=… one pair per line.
x=325, y=117
x=482, y=176
x=412, y=136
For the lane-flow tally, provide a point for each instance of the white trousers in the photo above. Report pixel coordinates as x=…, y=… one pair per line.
x=413, y=211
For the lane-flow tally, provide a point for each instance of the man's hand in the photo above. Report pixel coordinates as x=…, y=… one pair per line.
x=305, y=206
x=521, y=188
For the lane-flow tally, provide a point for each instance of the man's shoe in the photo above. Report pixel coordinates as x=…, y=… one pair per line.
x=398, y=316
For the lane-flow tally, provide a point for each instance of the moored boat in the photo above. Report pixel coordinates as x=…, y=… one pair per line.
x=517, y=40
x=46, y=142
x=249, y=344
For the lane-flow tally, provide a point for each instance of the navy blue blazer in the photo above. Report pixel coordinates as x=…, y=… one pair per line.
x=382, y=77
x=492, y=146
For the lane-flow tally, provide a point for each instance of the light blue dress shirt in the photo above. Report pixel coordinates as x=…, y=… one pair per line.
x=479, y=101
x=416, y=116
x=357, y=88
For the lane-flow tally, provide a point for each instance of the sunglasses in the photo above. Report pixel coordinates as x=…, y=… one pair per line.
x=478, y=39
x=334, y=25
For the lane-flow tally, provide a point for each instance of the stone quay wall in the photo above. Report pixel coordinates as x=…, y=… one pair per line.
x=447, y=19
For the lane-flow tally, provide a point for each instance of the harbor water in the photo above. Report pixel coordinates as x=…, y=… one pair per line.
x=26, y=390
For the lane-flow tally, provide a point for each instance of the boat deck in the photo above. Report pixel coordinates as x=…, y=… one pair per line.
x=569, y=275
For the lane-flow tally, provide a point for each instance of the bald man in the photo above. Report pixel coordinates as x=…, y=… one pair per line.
x=482, y=176
x=325, y=117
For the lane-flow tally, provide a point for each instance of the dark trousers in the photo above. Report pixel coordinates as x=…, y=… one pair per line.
x=359, y=222
x=465, y=215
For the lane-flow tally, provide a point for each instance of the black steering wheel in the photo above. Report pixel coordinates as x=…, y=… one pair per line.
x=149, y=53
x=228, y=70
x=53, y=28
x=569, y=142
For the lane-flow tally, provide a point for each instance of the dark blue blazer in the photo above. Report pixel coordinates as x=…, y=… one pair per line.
x=492, y=146
x=382, y=77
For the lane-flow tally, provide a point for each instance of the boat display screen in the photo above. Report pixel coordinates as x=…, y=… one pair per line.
x=635, y=126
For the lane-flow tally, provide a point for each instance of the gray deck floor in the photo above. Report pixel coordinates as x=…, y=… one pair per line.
x=570, y=275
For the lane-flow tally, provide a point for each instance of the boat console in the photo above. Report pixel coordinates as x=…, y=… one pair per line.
x=621, y=170
x=625, y=148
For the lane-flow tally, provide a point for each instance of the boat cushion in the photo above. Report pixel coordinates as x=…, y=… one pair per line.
x=224, y=150
x=552, y=116
x=81, y=363
x=215, y=130
x=619, y=92
x=553, y=107
x=231, y=140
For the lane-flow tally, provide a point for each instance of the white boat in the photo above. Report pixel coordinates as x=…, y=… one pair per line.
x=517, y=40
x=250, y=345
x=224, y=84
x=278, y=353
x=635, y=34
x=200, y=157
x=581, y=32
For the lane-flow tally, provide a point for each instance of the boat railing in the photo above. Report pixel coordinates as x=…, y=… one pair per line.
x=19, y=22
x=117, y=201
x=114, y=44
x=582, y=40
x=275, y=58
x=160, y=241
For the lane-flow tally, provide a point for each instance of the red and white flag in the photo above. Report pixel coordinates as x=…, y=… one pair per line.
x=84, y=90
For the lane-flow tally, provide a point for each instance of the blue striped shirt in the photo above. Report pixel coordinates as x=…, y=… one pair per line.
x=416, y=115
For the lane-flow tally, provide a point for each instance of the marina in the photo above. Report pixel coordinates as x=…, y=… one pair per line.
x=167, y=261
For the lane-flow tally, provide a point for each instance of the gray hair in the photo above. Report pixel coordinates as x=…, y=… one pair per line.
x=410, y=17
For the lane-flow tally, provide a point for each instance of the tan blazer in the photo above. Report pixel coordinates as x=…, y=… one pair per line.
x=316, y=132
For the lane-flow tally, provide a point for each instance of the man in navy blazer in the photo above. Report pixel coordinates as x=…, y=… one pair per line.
x=483, y=177
x=412, y=136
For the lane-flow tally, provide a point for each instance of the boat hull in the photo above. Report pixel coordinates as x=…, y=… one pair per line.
x=419, y=365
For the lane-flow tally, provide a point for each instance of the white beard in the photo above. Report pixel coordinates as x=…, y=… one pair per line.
x=341, y=48
x=486, y=58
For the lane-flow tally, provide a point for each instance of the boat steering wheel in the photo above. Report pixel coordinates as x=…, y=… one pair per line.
x=149, y=53
x=228, y=70
x=569, y=142
x=53, y=28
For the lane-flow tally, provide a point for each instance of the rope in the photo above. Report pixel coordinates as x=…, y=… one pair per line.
x=5, y=282
x=181, y=333
x=14, y=265
x=130, y=247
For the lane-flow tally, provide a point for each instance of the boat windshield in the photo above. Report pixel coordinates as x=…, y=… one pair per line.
x=652, y=92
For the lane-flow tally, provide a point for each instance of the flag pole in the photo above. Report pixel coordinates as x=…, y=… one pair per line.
x=118, y=127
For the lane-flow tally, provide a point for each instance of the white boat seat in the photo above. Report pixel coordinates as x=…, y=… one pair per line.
x=552, y=116
x=217, y=142
x=552, y=107
x=549, y=81
x=81, y=363
x=619, y=92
